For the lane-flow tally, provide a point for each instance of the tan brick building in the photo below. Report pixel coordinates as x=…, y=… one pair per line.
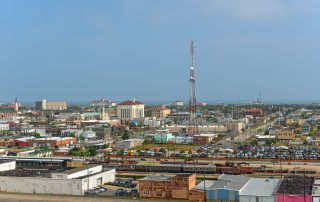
x=160, y=112
x=285, y=135
x=177, y=187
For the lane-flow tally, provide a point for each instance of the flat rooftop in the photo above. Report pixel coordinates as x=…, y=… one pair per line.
x=155, y=178
x=46, y=173
x=75, y=170
x=295, y=185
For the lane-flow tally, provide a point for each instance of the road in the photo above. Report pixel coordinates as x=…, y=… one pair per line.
x=227, y=141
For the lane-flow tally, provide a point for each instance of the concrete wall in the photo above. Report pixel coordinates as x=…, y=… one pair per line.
x=8, y=166
x=107, y=176
x=81, y=173
x=254, y=198
x=40, y=185
x=85, y=172
x=315, y=198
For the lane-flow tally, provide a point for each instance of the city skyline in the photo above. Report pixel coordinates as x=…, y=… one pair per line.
x=126, y=49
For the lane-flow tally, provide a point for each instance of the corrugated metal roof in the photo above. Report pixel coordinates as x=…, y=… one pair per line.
x=237, y=178
x=260, y=187
x=296, y=185
x=221, y=184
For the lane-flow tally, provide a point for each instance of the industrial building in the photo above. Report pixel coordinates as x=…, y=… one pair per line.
x=226, y=188
x=129, y=143
x=316, y=191
x=52, y=142
x=48, y=181
x=51, y=105
x=162, y=136
x=295, y=189
x=177, y=187
x=203, y=139
x=259, y=189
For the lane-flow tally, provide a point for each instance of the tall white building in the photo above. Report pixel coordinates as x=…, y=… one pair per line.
x=130, y=110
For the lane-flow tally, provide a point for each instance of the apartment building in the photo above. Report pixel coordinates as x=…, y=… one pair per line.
x=51, y=105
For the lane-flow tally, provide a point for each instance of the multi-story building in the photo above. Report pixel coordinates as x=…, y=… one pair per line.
x=130, y=110
x=52, y=142
x=255, y=112
x=178, y=104
x=235, y=126
x=177, y=187
x=285, y=135
x=203, y=139
x=4, y=126
x=51, y=105
x=160, y=112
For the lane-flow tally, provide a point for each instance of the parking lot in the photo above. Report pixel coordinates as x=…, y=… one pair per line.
x=282, y=152
x=120, y=187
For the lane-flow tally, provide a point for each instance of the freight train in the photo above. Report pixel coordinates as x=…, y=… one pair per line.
x=182, y=167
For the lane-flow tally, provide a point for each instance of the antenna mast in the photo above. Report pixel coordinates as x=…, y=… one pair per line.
x=193, y=123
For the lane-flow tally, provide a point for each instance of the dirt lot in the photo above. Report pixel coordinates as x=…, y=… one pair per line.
x=5, y=197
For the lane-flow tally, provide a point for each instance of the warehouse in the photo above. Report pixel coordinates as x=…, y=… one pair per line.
x=59, y=181
x=316, y=191
x=295, y=189
x=259, y=189
x=129, y=143
x=226, y=188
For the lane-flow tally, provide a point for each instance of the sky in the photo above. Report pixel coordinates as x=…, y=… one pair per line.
x=79, y=50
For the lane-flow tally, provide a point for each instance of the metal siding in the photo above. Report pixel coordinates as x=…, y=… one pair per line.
x=223, y=194
x=236, y=195
x=316, y=199
x=210, y=194
x=231, y=196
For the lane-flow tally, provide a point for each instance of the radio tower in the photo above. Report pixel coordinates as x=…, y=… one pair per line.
x=193, y=123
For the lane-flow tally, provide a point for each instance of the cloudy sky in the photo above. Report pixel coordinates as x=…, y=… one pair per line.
x=81, y=50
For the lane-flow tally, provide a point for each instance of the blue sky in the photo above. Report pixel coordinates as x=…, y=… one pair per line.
x=81, y=50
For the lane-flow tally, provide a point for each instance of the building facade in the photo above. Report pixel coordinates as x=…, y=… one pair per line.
x=177, y=187
x=51, y=105
x=130, y=110
x=259, y=189
x=4, y=126
x=285, y=135
x=295, y=189
x=160, y=112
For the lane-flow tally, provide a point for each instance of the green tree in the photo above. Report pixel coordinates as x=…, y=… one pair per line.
x=254, y=142
x=125, y=135
x=92, y=151
x=121, y=152
x=35, y=134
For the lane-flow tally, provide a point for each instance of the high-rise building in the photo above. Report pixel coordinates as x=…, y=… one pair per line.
x=51, y=105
